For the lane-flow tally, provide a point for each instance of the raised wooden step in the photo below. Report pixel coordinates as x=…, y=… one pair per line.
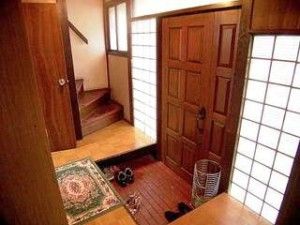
x=101, y=117
x=79, y=87
x=90, y=100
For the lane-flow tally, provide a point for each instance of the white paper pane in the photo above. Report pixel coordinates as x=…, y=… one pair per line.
x=277, y=95
x=246, y=147
x=249, y=129
x=282, y=72
x=252, y=110
x=263, y=46
x=268, y=137
x=260, y=172
x=256, y=90
x=122, y=26
x=237, y=192
x=257, y=188
x=294, y=102
x=278, y=182
x=112, y=28
x=291, y=123
x=296, y=82
x=264, y=155
x=259, y=69
x=283, y=164
x=288, y=144
x=240, y=178
x=273, y=117
x=286, y=48
x=269, y=213
x=243, y=163
x=253, y=203
x=274, y=198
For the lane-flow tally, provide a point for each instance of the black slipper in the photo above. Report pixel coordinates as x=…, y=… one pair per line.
x=129, y=175
x=171, y=216
x=122, y=179
x=183, y=208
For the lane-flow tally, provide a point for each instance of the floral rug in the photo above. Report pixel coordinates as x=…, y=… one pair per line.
x=85, y=191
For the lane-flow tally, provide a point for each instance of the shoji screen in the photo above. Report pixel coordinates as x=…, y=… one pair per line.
x=144, y=75
x=269, y=126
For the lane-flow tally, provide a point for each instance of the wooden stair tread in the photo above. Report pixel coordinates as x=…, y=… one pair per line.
x=92, y=96
x=102, y=111
x=101, y=117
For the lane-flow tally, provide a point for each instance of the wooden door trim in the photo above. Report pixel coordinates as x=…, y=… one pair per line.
x=193, y=10
x=62, y=11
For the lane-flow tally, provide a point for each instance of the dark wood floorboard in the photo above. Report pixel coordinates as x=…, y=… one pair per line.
x=159, y=187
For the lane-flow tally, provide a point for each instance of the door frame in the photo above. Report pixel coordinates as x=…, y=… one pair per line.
x=63, y=14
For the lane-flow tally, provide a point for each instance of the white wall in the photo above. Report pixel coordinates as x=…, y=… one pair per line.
x=119, y=83
x=89, y=60
x=147, y=7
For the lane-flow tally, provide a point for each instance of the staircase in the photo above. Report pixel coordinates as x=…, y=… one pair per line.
x=96, y=108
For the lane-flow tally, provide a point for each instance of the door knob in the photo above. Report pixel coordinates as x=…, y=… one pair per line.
x=200, y=118
x=62, y=82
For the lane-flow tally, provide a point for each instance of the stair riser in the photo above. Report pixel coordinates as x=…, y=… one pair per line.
x=86, y=110
x=101, y=123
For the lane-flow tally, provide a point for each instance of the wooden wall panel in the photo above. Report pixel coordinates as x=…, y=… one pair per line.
x=29, y=192
x=275, y=15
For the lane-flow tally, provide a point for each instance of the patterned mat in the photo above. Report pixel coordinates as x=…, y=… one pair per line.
x=85, y=191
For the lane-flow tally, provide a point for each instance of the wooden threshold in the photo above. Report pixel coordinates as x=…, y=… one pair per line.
x=115, y=140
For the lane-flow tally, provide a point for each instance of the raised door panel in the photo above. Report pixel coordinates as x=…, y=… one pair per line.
x=175, y=40
x=195, y=44
x=217, y=139
x=173, y=117
x=174, y=149
x=173, y=82
x=226, y=45
x=190, y=131
x=192, y=88
x=188, y=157
x=222, y=93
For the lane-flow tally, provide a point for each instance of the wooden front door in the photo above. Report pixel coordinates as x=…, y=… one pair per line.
x=44, y=33
x=198, y=54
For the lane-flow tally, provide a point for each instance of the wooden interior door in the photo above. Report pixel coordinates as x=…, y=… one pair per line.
x=198, y=55
x=187, y=43
x=44, y=33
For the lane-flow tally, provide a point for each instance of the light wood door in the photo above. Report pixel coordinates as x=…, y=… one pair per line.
x=198, y=55
x=44, y=33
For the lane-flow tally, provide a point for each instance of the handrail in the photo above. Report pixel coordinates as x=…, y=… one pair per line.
x=82, y=37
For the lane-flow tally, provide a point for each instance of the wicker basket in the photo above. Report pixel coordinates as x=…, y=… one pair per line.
x=207, y=174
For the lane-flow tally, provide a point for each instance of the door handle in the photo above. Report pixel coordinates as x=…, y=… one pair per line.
x=62, y=82
x=200, y=118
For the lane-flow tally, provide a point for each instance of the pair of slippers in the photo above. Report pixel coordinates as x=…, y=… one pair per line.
x=124, y=177
x=182, y=209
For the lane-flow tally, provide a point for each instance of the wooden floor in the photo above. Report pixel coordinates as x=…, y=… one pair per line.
x=114, y=140
x=159, y=187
